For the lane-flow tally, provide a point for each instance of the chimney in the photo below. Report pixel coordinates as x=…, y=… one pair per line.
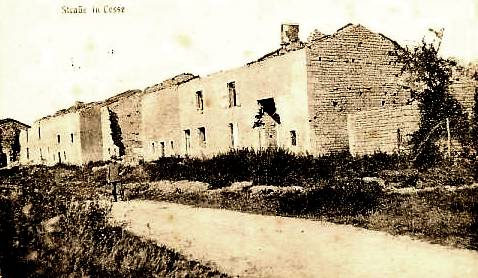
x=289, y=34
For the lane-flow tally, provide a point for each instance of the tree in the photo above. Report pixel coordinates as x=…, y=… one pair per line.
x=474, y=123
x=116, y=133
x=430, y=76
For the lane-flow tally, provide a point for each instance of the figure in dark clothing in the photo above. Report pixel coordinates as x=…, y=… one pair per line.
x=114, y=179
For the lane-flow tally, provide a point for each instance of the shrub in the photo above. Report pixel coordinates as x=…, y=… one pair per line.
x=340, y=197
x=135, y=174
x=447, y=173
x=430, y=77
x=474, y=168
x=270, y=167
x=166, y=168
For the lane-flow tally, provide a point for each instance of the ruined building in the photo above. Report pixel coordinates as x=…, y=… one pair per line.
x=333, y=93
x=297, y=97
x=69, y=136
x=84, y=132
x=10, y=140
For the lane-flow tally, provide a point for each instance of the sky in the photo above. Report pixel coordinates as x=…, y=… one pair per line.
x=49, y=60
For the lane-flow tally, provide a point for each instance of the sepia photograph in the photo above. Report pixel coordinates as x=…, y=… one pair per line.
x=220, y=138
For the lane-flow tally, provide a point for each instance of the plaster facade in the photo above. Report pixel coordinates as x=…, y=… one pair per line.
x=69, y=137
x=234, y=100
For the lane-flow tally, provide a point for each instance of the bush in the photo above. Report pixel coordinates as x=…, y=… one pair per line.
x=474, y=168
x=341, y=197
x=135, y=174
x=270, y=167
x=448, y=173
x=166, y=168
x=93, y=164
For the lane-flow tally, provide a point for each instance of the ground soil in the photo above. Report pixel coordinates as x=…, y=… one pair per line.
x=250, y=245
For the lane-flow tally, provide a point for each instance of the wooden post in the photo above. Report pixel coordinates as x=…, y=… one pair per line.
x=448, y=136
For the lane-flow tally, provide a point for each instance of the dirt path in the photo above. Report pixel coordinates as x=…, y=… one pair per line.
x=268, y=246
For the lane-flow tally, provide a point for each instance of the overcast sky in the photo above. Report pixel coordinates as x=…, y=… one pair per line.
x=49, y=60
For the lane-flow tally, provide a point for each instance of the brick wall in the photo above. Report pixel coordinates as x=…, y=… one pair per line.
x=350, y=71
x=382, y=129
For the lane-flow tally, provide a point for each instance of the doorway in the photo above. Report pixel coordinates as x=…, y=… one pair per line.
x=187, y=141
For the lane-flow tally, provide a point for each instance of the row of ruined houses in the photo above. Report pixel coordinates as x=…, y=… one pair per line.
x=333, y=93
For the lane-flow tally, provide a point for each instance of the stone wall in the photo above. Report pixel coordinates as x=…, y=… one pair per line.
x=382, y=129
x=9, y=140
x=128, y=110
x=350, y=71
x=72, y=136
x=463, y=88
x=314, y=89
x=169, y=112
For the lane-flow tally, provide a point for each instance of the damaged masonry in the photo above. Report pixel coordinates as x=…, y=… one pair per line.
x=333, y=93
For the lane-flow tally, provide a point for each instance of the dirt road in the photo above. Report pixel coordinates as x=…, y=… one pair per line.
x=267, y=246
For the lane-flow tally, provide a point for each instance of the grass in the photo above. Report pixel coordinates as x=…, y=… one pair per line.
x=49, y=228
x=439, y=216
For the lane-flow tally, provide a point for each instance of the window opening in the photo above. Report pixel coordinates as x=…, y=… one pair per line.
x=233, y=101
x=199, y=100
x=293, y=138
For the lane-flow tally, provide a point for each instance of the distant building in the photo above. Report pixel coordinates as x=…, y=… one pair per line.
x=10, y=146
x=83, y=133
x=70, y=136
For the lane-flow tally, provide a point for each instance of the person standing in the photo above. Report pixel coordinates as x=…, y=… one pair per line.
x=113, y=177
